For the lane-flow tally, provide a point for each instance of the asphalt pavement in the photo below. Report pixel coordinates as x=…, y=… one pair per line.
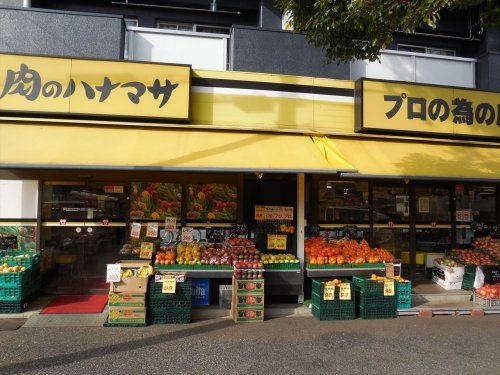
x=407, y=345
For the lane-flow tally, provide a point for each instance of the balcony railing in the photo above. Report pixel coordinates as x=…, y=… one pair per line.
x=201, y=50
x=418, y=67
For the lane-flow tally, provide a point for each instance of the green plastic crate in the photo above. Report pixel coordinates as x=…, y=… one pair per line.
x=403, y=302
x=12, y=307
x=15, y=279
x=14, y=293
x=371, y=300
x=163, y=304
x=403, y=295
x=182, y=291
x=169, y=318
x=12, y=259
x=336, y=314
x=377, y=312
x=367, y=286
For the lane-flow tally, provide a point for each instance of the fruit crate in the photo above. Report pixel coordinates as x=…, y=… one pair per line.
x=169, y=318
x=371, y=300
x=368, y=286
x=108, y=324
x=365, y=265
x=336, y=314
x=182, y=291
x=14, y=293
x=404, y=302
x=324, y=266
x=486, y=302
x=12, y=307
x=282, y=266
x=169, y=304
x=317, y=300
x=12, y=258
x=403, y=295
x=205, y=267
x=15, y=279
x=468, y=280
x=377, y=312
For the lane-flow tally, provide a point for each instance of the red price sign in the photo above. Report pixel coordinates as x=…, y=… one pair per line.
x=329, y=293
x=260, y=212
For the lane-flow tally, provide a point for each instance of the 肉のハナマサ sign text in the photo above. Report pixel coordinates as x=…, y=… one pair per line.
x=93, y=87
x=395, y=107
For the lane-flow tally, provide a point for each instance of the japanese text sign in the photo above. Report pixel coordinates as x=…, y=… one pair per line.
x=170, y=224
x=388, y=287
x=273, y=213
x=384, y=106
x=94, y=87
x=329, y=293
x=113, y=273
x=169, y=284
x=152, y=230
x=345, y=292
x=187, y=234
x=146, y=250
x=276, y=241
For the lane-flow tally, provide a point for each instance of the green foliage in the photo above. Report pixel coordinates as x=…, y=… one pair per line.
x=359, y=29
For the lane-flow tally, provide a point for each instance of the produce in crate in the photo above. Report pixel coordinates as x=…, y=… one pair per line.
x=333, y=282
x=476, y=257
x=278, y=258
x=5, y=268
x=240, y=242
x=166, y=255
x=448, y=262
x=381, y=279
x=216, y=254
x=489, y=245
x=245, y=253
x=247, y=269
x=144, y=271
x=188, y=253
x=320, y=251
x=489, y=291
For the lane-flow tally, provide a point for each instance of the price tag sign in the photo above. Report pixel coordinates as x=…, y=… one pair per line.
x=276, y=241
x=329, y=293
x=169, y=283
x=113, y=273
x=260, y=212
x=170, y=224
x=345, y=292
x=288, y=213
x=146, y=250
x=389, y=270
x=389, y=288
x=152, y=230
x=135, y=230
x=187, y=234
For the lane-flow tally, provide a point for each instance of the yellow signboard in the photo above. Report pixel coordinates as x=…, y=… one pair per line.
x=276, y=241
x=94, y=87
x=394, y=107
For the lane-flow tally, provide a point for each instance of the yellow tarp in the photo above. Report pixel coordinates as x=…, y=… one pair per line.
x=55, y=145
x=400, y=158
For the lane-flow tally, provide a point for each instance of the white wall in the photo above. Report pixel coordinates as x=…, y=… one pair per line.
x=202, y=51
x=417, y=67
x=18, y=199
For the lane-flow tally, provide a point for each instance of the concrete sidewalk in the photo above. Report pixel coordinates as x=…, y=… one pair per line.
x=407, y=345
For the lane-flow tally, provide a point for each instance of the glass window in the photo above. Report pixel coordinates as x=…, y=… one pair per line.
x=211, y=202
x=211, y=29
x=475, y=203
x=18, y=237
x=128, y=22
x=435, y=240
x=433, y=204
x=391, y=203
x=155, y=200
x=343, y=202
x=174, y=26
x=428, y=50
x=396, y=240
x=84, y=201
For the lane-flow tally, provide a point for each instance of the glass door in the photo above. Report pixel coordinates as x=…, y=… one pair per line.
x=83, y=229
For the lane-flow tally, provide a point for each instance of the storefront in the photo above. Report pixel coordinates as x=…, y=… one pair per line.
x=94, y=154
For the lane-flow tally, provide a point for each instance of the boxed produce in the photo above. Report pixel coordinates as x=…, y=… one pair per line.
x=448, y=285
x=249, y=301
x=134, y=276
x=124, y=315
x=452, y=271
x=244, y=315
x=127, y=299
x=248, y=286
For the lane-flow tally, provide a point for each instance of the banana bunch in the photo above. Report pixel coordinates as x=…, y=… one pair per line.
x=127, y=273
x=145, y=271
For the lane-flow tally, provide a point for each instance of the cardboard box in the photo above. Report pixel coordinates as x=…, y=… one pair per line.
x=124, y=315
x=127, y=299
x=246, y=315
x=255, y=286
x=451, y=274
x=255, y=301
x=447, y=284
x=131, y=284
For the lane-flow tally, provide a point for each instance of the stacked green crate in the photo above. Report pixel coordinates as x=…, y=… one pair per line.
x=14, y=291
x=335, y=309
x=372, y=304
x=32, y=262
x=403, y=295
x=169, y=308
x=469, y=277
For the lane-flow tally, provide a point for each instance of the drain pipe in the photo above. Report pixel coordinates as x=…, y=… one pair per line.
x=26, y=3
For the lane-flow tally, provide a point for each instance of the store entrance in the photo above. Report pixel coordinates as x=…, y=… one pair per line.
x=83, y=229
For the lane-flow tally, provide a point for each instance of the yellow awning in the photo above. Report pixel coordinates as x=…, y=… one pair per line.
x=73, y=146
x=413, y=159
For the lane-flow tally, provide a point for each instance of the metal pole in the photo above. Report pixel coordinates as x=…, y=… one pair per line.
x=300, y=223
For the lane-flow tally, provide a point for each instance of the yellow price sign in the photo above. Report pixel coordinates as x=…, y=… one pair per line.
x=169, y=284
x=329, y=293
x=345, y=292
x=146, y=250
x=389, y=288
x=276, y=241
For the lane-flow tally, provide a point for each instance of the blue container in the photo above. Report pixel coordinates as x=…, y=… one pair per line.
x=200, y=292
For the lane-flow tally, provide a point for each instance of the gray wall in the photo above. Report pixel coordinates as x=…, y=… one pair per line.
x=488, y=62
x=58, y=33
x=280, y=52
x=270, y=16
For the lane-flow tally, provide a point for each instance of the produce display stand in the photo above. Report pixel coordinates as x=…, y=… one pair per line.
x=328, y=271
x=205, y=273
